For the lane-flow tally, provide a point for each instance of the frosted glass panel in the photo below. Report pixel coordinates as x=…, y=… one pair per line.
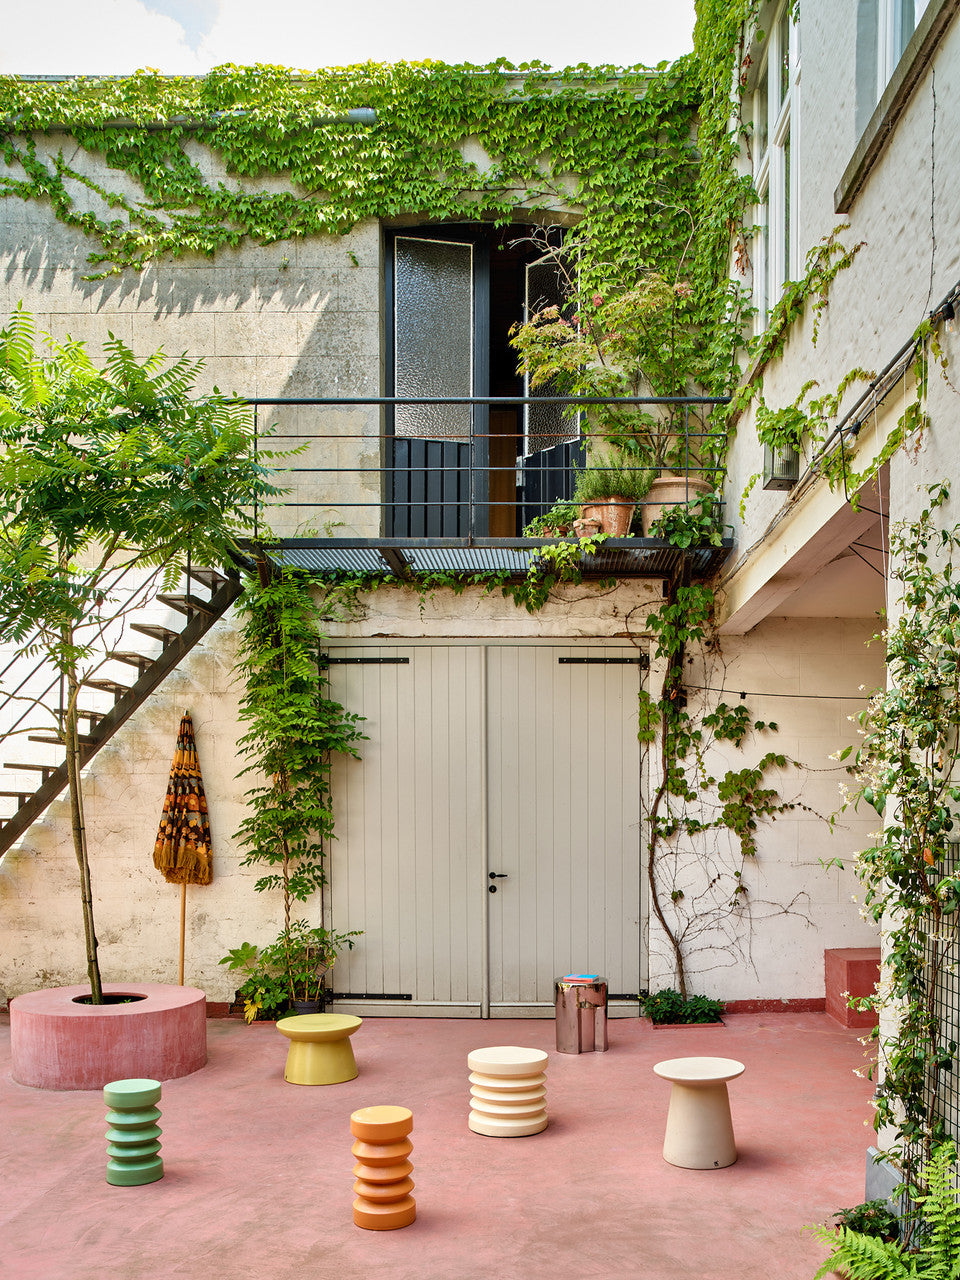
x=434, y=336
x=547, y=424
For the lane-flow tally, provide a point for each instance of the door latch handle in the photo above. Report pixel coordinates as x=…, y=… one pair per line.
x=498, y=875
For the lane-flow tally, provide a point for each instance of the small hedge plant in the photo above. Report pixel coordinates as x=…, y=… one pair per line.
x=872, y=1218
x=669, y=1006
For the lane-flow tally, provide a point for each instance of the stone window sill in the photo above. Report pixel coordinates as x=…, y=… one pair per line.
x=916, y=58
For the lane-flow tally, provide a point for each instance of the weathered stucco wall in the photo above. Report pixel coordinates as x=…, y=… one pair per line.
x=909, y=222
x=806, y=677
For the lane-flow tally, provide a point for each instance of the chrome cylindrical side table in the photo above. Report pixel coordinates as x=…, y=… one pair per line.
x=581, y=1004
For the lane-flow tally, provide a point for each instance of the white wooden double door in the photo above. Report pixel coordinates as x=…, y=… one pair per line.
x=489, y=839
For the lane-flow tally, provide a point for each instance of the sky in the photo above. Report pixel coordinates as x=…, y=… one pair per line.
x=115, y=37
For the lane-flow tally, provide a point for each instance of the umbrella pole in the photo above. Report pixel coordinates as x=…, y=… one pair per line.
x=183, y=924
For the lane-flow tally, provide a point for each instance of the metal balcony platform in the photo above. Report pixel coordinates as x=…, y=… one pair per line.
x=413, y=558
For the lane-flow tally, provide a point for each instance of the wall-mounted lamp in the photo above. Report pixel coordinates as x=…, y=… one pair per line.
x=781, y=467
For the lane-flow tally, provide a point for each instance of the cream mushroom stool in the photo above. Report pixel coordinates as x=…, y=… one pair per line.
x=508, y=1097
x=699, y=1132
x=320, y=1050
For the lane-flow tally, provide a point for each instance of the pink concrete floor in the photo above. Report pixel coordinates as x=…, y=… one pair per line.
x=258, y=1172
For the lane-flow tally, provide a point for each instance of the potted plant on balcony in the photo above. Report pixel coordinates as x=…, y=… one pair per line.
x=623, y=332
x=555, y=523
x=608, y=489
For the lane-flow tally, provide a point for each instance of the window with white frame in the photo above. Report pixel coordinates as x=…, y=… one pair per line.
x=775, y=121
x=896, y=22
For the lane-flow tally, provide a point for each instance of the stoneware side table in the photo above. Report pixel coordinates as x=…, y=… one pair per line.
x=699, y=1132
x=508, y=1096
x=320, y=1050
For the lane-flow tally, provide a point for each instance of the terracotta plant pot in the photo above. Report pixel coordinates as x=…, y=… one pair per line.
x=670, y=491
x=586, y=528
x=615, y=515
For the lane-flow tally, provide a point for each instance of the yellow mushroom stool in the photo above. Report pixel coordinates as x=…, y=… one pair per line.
x=320, y=1050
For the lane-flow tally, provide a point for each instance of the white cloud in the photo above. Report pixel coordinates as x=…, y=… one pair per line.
x=316, y=33
x=109, y=37
x=118, y=36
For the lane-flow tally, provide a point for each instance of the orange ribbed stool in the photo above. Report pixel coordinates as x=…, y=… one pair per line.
x=383, y=1184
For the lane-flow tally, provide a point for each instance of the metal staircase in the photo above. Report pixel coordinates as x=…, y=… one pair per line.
x=31, y=692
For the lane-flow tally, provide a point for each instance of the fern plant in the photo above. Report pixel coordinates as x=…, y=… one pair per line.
x=857, y=1256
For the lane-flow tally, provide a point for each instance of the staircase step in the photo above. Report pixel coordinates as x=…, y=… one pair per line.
x=186, y=604
x=138, y=660
x=21, y=796
x=107, y=686
x=209, y=577
x=45, y=769
x=163, y=634
x=83, y=738
x=92, y=716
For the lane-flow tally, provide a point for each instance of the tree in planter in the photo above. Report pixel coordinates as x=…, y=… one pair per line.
x=108, y=476
x=293, y=731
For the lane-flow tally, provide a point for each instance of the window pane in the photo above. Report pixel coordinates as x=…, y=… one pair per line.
x=546, y=424
x=761, y=127
x=786, y=210
x=784, y=42
x=762, y=264
x=434, y=335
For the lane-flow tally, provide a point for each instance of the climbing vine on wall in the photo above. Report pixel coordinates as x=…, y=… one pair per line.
x=615, y=144
x=906, y=770
x=702, y=819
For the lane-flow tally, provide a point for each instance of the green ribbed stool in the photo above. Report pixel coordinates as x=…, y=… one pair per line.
x=133, y=1136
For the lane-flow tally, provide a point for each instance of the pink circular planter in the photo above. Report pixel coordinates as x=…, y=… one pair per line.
x=59, y=1044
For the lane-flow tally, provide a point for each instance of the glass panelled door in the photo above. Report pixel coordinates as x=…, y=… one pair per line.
x=551, y=432
x=435, y=474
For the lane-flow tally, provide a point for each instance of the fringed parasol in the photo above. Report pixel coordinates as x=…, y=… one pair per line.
x=182, y=851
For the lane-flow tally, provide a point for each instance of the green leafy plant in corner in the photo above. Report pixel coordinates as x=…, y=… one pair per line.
x=859, y=1256
x=292, y=968
x=670, y=1006
x=872, y=1218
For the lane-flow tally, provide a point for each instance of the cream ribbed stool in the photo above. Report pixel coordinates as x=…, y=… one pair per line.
x=508, y=1097
x=699, y=1131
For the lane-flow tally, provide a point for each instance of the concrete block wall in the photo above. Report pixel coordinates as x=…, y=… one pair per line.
x=295, y=318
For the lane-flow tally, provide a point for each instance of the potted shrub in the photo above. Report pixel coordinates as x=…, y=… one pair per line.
x=289, y=973
x=690, y=524
x=609, y=487
x=555, y=523
x=622, y=333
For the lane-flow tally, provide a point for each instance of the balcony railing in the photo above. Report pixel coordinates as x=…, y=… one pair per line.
x=356, y=485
